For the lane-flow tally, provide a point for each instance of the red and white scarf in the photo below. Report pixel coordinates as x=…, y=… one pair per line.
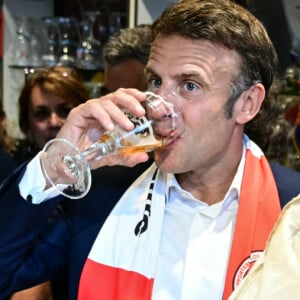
x=121, y=264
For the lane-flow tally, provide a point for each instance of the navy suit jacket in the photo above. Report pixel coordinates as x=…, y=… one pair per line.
x=7, y=164
x=33, y=250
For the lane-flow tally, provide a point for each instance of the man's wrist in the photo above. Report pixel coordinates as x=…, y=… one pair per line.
x=33, y=185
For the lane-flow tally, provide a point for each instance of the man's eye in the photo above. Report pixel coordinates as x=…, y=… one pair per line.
x=154, y=83
x=190, y=86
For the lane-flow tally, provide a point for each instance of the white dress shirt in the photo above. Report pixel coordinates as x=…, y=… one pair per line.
x=195, y=242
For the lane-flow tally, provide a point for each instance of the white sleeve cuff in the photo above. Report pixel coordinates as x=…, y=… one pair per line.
x=33, y=183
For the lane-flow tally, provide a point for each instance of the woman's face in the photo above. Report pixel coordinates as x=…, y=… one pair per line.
x=47, y=113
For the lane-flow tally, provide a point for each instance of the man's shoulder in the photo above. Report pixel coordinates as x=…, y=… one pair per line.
x=283, y=171
x=287, y=181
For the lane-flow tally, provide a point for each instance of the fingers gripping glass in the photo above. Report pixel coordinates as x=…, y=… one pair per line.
x=68, y=169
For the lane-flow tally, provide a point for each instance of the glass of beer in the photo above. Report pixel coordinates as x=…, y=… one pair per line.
x=68, y=169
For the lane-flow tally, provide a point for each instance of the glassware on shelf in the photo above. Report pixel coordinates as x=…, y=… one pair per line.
x=51, y=51
x=68, y=169
x=21, y=48
x=28, y=43
x=90, y=50
x=69, y=42
x=116, y=22
x=101, y=26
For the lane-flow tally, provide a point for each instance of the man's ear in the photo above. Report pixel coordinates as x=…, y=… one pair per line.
x=249, y=103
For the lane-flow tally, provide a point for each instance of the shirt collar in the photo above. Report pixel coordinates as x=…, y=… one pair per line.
x=232, y=194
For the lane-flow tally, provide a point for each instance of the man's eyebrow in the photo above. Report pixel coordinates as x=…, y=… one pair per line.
x=149, y=70
x=187, y=75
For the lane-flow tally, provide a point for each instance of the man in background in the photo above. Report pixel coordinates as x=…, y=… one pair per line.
x=125, y=55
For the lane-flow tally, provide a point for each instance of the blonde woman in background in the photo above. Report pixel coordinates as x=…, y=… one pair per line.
x=45, y=100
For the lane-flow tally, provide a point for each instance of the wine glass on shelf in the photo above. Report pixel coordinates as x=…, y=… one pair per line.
x=69, y=40
x=90, y=50
x=52, y=41
x=69, y=170
x=101, y=25
x=21, y=44
x=27, y=45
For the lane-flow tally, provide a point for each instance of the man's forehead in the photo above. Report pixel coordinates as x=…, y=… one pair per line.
x=174, y=50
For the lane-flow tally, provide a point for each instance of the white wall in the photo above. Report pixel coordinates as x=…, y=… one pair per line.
x=292, y=12
x=149, y=10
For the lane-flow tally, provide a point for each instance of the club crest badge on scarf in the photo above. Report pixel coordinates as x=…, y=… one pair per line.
x=245, y=267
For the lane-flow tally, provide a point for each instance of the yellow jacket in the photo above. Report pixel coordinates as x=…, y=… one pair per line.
x=276, y=275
